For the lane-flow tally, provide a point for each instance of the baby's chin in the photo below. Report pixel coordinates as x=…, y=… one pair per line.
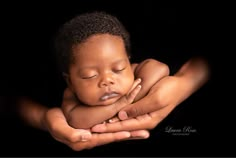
x=110, y=101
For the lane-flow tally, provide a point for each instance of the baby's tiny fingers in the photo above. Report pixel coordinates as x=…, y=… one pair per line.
x=135, y=84
x=131, y=96
x=114, y=119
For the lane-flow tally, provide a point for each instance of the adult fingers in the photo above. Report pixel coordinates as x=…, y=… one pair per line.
x=147, y=121
x=139, y=134
x=141, y=107
x=139, y=123
x=100, y=139
x=61, y=131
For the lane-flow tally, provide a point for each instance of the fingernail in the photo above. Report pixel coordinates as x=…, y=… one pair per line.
x=145, y=136
x=127, y=135
x=123, y=115
x=141, y=136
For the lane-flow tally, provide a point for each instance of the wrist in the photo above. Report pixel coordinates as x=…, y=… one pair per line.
x=43, y=119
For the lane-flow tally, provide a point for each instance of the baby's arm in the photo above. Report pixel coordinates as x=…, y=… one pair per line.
x=150, y=71
x=84, y=117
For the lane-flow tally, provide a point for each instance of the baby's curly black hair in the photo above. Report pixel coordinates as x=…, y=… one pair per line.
x=80, y=28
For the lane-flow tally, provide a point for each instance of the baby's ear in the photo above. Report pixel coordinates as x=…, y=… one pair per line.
x=68, y=81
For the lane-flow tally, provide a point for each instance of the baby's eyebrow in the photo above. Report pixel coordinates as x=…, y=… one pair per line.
x=93, y=67
x=120, y=61
x=87, y=67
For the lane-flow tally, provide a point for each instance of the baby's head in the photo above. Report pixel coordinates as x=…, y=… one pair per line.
x=93, y=50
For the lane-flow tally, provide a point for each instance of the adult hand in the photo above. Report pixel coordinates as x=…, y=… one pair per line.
x=79, y=139
x=167, y=88
x=171, y=90
x=167, y=93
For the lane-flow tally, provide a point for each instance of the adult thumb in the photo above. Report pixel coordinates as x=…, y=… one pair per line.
x=132, y=111
x=138, y=108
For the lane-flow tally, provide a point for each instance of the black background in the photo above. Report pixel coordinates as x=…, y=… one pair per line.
x=170, y=34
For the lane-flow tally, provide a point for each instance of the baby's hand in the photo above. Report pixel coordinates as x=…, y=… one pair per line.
x=129, y=97
x=134, y=86
x=113, y=120
x=126, y=100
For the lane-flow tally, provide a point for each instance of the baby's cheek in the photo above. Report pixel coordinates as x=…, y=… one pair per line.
x=88, y=98
x=128, y=85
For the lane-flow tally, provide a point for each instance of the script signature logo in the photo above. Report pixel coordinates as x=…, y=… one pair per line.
x=186, y=130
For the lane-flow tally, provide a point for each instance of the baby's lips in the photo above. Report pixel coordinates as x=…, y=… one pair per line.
x=108, y=96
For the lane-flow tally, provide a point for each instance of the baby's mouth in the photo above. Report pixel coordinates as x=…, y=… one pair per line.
x=107, y=96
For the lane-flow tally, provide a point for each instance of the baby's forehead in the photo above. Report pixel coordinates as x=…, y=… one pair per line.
x=101, y=36
x=98, y=41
